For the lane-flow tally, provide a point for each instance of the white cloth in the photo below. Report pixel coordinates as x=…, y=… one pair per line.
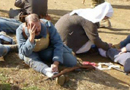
x=102, y=52
x=96, y=14
x=86, y=47
x=49, y=72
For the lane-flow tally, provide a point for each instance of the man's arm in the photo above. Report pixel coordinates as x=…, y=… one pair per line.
x=124, y=42
x=57, y=43
x=92, y=33
x=25, y=46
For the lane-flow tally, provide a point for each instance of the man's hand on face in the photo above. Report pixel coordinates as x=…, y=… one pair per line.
x=32, y=29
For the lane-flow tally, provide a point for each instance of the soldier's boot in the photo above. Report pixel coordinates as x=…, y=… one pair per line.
x=14, y=13
x=13, y=47
x=62, y=79
x=3, y=50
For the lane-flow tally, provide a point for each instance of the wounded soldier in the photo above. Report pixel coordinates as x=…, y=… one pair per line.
x=39, y=42
x=120, y=54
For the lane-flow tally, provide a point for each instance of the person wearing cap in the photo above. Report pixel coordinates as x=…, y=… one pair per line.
x=39, y=42
x=79, y=29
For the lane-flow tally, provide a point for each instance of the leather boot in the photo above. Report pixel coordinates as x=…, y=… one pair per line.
x=13, y=47
x=61, y=80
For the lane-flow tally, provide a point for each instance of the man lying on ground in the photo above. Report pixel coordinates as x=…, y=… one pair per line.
x=120, y=54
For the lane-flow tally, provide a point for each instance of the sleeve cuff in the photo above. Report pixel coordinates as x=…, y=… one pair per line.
x=30, y=45
x=56, y=58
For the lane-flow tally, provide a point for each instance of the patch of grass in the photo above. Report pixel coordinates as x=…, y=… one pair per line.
x=31, y=88
x=5, y=87
x=3, y=78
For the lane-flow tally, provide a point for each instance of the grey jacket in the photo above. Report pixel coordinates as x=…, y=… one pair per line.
x=75, y=31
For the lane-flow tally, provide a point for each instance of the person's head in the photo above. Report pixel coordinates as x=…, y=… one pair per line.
x=32, y=20
x=96, y=14
x=105, y=10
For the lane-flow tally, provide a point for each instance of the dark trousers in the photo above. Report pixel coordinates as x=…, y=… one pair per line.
x=123, y=59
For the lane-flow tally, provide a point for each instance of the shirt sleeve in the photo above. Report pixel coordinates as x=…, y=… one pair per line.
x=19, y=3
x=24, y=45
x=57, y=43
x=91, y=31
x=125, y=41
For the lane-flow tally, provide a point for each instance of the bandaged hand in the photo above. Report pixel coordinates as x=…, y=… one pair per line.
x=123, y=50
x=54, y=66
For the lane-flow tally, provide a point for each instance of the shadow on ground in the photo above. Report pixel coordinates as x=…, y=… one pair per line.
x=121, y=6
x=9, y=87
x=57, y=13
x=100, y=78
x=11, y=60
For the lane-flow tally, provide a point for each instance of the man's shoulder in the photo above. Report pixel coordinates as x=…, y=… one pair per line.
x=19, y=29
x=46, y=22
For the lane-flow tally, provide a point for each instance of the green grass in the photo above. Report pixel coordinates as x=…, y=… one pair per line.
x=3, y=78
x=5, y=86
x=32, y=88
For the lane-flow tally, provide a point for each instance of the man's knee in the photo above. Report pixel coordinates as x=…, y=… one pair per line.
x=127, y=66
x=73, y=63
x=112, y=53
x=69, y=60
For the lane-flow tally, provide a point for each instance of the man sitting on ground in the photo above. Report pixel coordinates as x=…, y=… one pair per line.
x=39, y=42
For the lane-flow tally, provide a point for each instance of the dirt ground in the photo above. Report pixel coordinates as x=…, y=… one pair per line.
x=15, y=75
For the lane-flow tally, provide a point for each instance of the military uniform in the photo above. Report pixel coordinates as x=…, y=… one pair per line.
x=48, y=47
